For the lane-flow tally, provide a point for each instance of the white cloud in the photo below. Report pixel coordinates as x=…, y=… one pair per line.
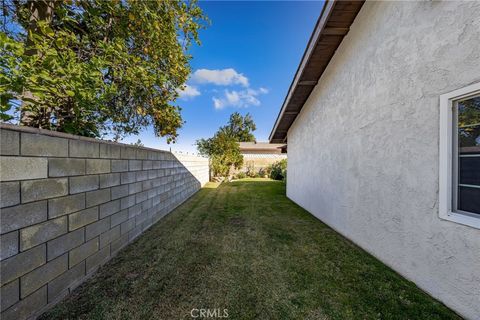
x=241, y=99
x=224, y=77
x=189, y=92
x=263, y=90
x=217, y=103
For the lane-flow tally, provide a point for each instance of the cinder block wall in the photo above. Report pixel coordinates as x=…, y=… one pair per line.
x=69, y=204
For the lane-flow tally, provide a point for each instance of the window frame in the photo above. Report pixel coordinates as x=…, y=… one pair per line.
x=447, y=163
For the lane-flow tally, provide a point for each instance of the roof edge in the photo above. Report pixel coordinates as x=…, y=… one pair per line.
x=313, y=38
x=320, y=29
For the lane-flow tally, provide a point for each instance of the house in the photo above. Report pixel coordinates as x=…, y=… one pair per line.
x=382, y=121
x=262, y=148
x=260, y=155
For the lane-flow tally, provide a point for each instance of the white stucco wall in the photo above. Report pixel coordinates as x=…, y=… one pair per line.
x=198, y=166
x=363, y=153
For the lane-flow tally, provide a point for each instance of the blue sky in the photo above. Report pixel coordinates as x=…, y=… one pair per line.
x=248, y=57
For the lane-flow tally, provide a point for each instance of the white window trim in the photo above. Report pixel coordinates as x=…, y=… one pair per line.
x=446, y=157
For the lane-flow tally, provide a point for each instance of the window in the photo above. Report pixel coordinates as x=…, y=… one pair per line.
x=467, y=155
x=460, y=156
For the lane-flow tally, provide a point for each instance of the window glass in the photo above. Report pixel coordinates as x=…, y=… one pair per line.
x=468, y=153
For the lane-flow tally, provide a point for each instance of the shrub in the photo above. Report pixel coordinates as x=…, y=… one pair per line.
x=264, y=172
x=251, y=169
x=241, y=175
x=278, y=170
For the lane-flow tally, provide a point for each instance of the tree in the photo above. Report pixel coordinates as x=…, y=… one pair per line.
x=224, y=153
x=240, y=127
x=223, y=148
x=139, y=143
x=468, y=120
x=90, y=67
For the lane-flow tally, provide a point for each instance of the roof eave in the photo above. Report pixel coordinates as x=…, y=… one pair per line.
x=322, y=32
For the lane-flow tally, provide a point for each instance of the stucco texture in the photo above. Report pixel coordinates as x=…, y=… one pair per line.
x=363, y=153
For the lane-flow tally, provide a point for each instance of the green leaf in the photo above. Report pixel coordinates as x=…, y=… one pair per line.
x=96, y=65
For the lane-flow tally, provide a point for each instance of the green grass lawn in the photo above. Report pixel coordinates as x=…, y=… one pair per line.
x=245, y=247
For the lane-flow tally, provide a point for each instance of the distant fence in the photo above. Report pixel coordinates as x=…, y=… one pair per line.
x=69, y=204
x=257, y=162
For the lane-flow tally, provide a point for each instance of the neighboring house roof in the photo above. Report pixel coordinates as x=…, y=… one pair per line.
x=263, y=147
x=278, y=156
x=332, y=25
